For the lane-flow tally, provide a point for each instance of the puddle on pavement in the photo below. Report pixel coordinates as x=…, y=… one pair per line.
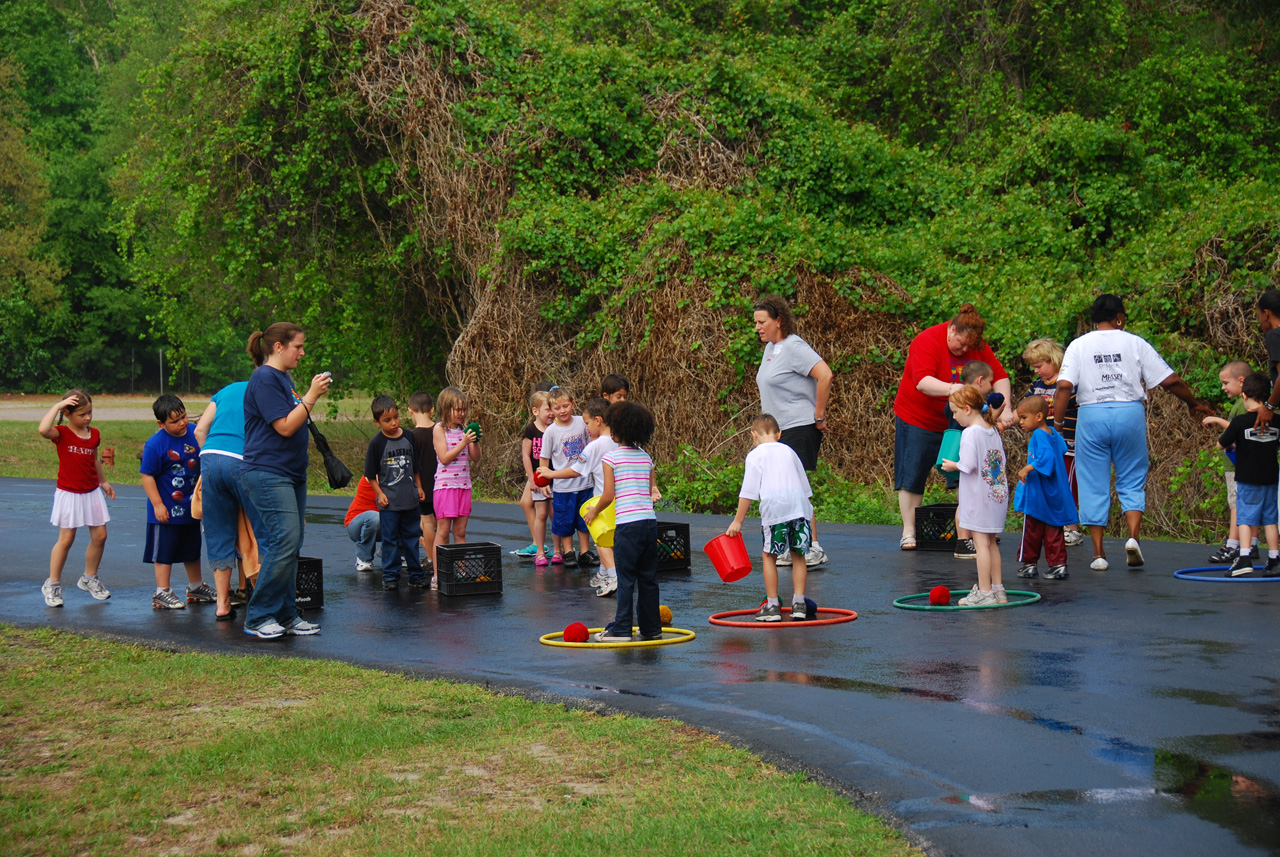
x=1246, y=805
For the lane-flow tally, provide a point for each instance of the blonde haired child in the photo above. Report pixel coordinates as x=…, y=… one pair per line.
x=1044, y=356
x=984, y=487
x=564, y=441
x=535, y=500
x=78, y=498
x=456, y=448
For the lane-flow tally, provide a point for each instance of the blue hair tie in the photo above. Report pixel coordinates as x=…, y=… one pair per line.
x=986, y=408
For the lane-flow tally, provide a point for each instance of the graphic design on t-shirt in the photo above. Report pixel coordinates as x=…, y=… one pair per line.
x=993, y=475
x=574, y=444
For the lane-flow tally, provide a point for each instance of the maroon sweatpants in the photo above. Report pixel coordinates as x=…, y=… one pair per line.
x=1035, y=533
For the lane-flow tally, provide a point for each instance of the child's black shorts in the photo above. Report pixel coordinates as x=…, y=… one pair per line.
x=169, y=544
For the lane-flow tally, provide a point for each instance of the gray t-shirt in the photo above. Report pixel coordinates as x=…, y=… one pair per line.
x=786, y=390
x=393, y=462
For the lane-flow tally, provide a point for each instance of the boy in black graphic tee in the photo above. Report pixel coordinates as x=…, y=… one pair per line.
x=1257, y=472
x=392, y=467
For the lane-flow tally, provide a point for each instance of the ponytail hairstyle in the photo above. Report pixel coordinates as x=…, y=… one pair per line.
x=970, y=325
x=779, y=310
x=83, y=398
x=262, y=343
x=969, y=397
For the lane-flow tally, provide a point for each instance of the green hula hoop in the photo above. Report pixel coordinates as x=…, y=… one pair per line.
x=904, y=603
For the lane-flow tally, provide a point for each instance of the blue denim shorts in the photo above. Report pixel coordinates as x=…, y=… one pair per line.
x=1256, y=505
x=915, y=451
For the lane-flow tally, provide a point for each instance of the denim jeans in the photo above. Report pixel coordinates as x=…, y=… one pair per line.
x=222, y=499
x=276, y=508
x=365, y=529
x=400, y=534
x=635, y=550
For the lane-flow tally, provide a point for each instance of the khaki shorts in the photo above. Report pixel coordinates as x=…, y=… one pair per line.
x=1231, y=489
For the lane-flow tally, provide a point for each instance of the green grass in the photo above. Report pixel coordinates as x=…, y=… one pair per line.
x=114, y=749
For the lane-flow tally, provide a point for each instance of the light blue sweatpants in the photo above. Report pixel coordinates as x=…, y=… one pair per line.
x=1111, y=434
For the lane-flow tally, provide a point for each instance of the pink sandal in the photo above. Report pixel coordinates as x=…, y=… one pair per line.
x=541, y=562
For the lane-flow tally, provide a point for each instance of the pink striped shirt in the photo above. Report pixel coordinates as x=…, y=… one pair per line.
x=457, y=473
x=631, y=499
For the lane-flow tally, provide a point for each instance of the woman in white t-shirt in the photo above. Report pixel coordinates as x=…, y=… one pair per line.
x=1110, y=371
x=794, y=383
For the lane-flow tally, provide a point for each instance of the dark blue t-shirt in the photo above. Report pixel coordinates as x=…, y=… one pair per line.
x=270, y=396
x=174, y=462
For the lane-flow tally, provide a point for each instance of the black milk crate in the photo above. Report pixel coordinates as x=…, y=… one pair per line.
x=471, y=568
x=310, y=583
x=936, y=527
x=673, y=547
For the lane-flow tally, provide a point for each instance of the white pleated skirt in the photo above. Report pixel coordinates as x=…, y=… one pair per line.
x=72, y=511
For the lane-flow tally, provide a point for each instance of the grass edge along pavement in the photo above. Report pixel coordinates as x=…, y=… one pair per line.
x=113, y=747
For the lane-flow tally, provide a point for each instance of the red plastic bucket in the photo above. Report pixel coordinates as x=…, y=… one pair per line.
x=729, y=556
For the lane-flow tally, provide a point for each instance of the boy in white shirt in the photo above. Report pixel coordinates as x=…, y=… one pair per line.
x=775, y=477
x=590, y=462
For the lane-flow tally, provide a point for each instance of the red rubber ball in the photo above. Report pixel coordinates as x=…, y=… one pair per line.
x=939, y=596
x=575, y=633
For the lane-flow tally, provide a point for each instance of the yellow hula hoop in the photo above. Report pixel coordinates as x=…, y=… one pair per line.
x=556, y=639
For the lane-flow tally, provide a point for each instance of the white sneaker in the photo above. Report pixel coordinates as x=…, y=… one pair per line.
x=607, y=588
x=93, y=586
x=1133, y=553
x=977, y=598
x=269, y=631
x=1099, y=563
x=815, y=556
x=1073, y=537
x=784, y=559
x=1001, y=596
x=362, y=565
x=52, y=593
x=597, y=580
x=302, y=628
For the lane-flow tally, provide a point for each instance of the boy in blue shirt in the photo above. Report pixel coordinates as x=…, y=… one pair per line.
x=392, y=467
x=170, y=467
x=1043, y=494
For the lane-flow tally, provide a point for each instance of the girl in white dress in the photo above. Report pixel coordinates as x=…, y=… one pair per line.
x=984, y=488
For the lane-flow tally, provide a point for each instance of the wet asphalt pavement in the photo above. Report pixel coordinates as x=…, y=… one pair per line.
x=1128, y=712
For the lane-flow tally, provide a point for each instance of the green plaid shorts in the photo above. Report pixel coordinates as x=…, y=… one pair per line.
x=794, y=536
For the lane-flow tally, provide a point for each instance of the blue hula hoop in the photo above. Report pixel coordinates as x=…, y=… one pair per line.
x=1190, y=574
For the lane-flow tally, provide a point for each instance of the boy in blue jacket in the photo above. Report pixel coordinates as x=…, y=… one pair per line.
x=1043, y=494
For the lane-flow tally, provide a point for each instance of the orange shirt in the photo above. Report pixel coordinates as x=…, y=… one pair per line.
x=364, y=501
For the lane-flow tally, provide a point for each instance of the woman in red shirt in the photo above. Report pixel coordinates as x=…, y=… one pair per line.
x=932, y=373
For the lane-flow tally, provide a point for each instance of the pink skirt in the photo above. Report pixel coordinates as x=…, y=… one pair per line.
x=452, y=502
x=72, y=511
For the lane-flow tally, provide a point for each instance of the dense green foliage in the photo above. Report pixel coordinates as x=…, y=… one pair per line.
x=1019, y=154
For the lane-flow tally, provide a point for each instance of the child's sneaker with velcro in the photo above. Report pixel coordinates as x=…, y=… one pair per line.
x=52, y=593
x=1224, y=554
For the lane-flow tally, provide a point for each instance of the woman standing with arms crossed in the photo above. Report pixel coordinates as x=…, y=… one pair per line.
x=274, y=477
x=221, y=436
x=1110, y=371
x=794, y=383
x=932, y=374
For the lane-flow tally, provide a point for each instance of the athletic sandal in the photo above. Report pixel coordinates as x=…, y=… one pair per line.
x=907, y=543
